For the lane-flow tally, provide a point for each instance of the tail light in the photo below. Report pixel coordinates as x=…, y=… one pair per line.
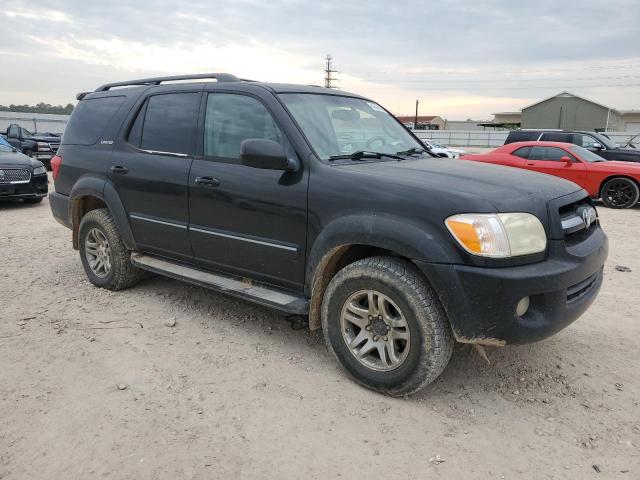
x=56, y=163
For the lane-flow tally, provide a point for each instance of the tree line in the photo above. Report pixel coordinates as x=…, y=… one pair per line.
x=39, y=108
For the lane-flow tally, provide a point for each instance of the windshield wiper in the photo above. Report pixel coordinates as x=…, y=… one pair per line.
x=413, y=151
x=363, y=155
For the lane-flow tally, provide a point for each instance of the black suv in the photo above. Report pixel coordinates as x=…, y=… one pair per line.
x=21, y=177
x=598, y=143
x=320, y=203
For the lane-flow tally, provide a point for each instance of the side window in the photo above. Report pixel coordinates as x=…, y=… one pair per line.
x=557, y=137
x=13, y=131
x=555, y=154
x=232, y=118
x=135, y=134
x=522, y=152
x=537, y=153
x=168, y=123
x=587, y=141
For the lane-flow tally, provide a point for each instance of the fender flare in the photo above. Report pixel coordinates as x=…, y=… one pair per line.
x=104, y=190
x=402, y=236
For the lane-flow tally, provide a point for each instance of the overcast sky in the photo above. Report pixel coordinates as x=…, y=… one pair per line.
x=460, y=58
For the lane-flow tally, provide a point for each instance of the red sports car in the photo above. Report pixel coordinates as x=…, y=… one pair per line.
x=616, y=183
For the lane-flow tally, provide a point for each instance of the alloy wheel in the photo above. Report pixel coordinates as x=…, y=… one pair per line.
x=98, y=252
x=375, y=330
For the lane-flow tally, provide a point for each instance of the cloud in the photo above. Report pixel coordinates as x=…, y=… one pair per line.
x=463, y=58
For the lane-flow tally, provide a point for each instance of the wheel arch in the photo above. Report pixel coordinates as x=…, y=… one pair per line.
x=611, y=177
x=353, y=238
x=90, y=193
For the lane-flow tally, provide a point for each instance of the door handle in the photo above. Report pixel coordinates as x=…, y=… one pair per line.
x=531, y=164
x=119, y=169
x=208, y=181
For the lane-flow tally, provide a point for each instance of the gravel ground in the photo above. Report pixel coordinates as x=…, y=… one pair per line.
x=166, y=380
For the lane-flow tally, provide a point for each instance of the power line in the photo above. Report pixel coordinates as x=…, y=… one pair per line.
x=328, y=73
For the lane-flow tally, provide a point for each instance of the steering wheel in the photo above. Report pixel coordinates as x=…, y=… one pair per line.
x=370, y=143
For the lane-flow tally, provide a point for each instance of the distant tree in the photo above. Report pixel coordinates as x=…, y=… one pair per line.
x=39, y=108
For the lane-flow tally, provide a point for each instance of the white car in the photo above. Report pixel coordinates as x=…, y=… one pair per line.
x=443, y=151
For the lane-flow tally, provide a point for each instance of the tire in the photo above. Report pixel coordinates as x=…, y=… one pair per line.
x=98, y=228
x=620, y=192
x=409, y=300
x=33, y=200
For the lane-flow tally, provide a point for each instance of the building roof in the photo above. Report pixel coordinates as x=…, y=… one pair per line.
x=508, y=113
x=568, y=94
x=421, y=118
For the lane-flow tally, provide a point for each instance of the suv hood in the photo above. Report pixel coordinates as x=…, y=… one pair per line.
x=508, y=189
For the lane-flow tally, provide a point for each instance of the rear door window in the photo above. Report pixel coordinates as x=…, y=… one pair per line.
x=89, y=120
x=521, y=136
x=169, y=121
x=557, y=137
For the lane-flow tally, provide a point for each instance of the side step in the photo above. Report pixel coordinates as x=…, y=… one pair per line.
x=237, y=287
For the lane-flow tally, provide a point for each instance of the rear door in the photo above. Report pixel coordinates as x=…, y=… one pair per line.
x=548, y=160
x=150, y=170
x=246, y=221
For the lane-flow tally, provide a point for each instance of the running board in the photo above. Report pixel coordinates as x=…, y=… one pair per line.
x=237, y=287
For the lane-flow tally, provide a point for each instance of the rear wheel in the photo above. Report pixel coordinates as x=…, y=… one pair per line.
x=386, y=326
x=105, y=259
x=620, y=193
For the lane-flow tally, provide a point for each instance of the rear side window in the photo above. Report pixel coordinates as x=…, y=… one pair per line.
x=168, y=123
x=89, y=120
x=230, y=119
x=522, y=152
x=521, y=136
x=557, y=137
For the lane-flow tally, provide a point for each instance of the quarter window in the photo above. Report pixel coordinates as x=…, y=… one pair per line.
x=168, y=123
x=522, y=152
x=230, y=119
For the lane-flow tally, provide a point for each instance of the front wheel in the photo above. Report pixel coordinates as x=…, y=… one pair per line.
x=620, y=193
x=386, y=326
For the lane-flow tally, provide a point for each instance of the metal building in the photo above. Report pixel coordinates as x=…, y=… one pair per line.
x=570, y=112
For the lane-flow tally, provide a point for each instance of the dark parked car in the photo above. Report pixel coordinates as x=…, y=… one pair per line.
x=598, y=143
x=39, y=146
x=320, y=203
x=21, y=177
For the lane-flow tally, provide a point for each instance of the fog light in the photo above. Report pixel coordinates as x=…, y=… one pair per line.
x=522, y=307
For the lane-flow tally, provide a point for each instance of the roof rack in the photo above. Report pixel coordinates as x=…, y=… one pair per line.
x=220, y=77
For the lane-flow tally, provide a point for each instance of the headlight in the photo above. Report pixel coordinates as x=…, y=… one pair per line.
x=499, y=235
x=40, y=170
x=43, y=146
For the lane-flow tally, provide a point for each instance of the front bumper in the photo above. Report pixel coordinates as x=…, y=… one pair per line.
x=37, y=187
x=481, y=302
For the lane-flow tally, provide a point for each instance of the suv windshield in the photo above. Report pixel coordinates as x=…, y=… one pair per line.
x=586, y=155
x=341, y=126
x=606, y=141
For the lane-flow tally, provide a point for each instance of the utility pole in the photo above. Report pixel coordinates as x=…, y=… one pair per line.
x=415, y=120
x=328, y=71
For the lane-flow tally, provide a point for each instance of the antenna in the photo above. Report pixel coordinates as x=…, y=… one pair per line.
x=328, y=71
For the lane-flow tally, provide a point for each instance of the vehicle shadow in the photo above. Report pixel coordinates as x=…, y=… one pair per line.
x=6, y=204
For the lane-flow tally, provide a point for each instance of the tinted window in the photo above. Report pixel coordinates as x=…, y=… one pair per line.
x=135, y=134
x=89, y=120
x=230, y=119
x=168, y=123
x=551, y=154
x=557, y=137
x=521, y=136
x=586, y=141
x=13, y=132
x=522, y=152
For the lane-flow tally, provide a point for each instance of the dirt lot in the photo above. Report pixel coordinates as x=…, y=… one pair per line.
x=95, y=384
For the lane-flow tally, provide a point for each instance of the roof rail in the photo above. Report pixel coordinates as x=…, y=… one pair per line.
x=220, y=77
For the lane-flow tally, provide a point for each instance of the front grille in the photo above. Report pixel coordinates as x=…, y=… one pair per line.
x=578, y=220
x=579, y=290
x=10, y=175
x=54, y=147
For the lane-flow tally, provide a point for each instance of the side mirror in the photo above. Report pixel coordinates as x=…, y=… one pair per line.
x=567, y=161
x=597, y=146
x=267, y=154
